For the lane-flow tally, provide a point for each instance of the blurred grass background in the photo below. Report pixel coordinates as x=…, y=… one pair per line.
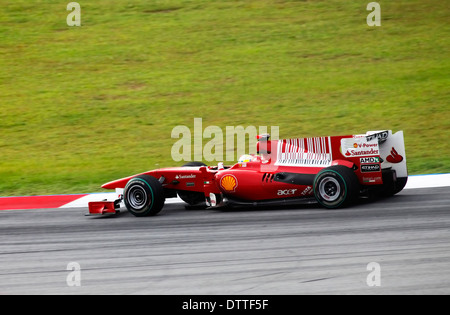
x=80, y=106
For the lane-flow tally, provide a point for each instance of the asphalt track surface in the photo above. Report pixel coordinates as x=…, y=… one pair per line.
x=293, y=251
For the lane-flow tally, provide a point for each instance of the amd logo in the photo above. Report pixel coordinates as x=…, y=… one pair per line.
x=368, y=160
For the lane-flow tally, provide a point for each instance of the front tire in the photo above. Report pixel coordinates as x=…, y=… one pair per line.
x=336, y=187
x=144, y=196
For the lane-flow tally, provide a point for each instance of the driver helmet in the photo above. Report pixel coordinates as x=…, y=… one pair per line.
x=245, y=158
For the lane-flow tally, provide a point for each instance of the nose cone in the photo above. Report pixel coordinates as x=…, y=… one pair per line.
x=120, y=183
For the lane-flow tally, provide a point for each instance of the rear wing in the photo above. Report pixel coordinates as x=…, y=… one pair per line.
x=371, y=153
x=392, y=150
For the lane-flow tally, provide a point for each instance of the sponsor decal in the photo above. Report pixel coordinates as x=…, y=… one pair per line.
x=371, y=179
x=368, y=168
x=307, y=191
x=229, y=183
x=352, y=153
x=369, y=160
x=286, y=192
x=357, y=147
x=304, y=152
x=380, y=136
x=185, y=176
x=394, y=157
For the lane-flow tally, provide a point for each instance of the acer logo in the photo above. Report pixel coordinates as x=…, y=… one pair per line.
x=286, y=192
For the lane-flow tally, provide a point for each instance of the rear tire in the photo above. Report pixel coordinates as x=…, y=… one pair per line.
x=144, y=196
x=392, y=184
x=336, y=187
x=400, y=184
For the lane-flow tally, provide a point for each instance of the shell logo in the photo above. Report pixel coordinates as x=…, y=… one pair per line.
x=229, y=183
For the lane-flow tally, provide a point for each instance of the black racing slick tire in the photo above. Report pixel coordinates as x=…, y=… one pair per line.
x=391, y=183
x=144, y=196
x=336, y=187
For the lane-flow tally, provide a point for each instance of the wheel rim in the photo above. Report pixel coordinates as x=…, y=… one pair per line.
x=329, y=189
x=137, y=197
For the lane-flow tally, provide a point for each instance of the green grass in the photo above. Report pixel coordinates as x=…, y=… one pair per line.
x=80, y=106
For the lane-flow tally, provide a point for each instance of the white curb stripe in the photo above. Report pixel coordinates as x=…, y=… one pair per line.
x=428, y=181
x=84, y=201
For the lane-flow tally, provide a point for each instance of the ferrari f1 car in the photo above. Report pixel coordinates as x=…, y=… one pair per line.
x=334, y=171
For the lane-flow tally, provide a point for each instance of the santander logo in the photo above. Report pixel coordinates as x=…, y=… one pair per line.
x=394, y=157
x=359, y=147
x=363, y=149
x=362, y=152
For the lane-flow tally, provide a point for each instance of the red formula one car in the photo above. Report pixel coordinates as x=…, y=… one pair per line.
x=335, y=171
